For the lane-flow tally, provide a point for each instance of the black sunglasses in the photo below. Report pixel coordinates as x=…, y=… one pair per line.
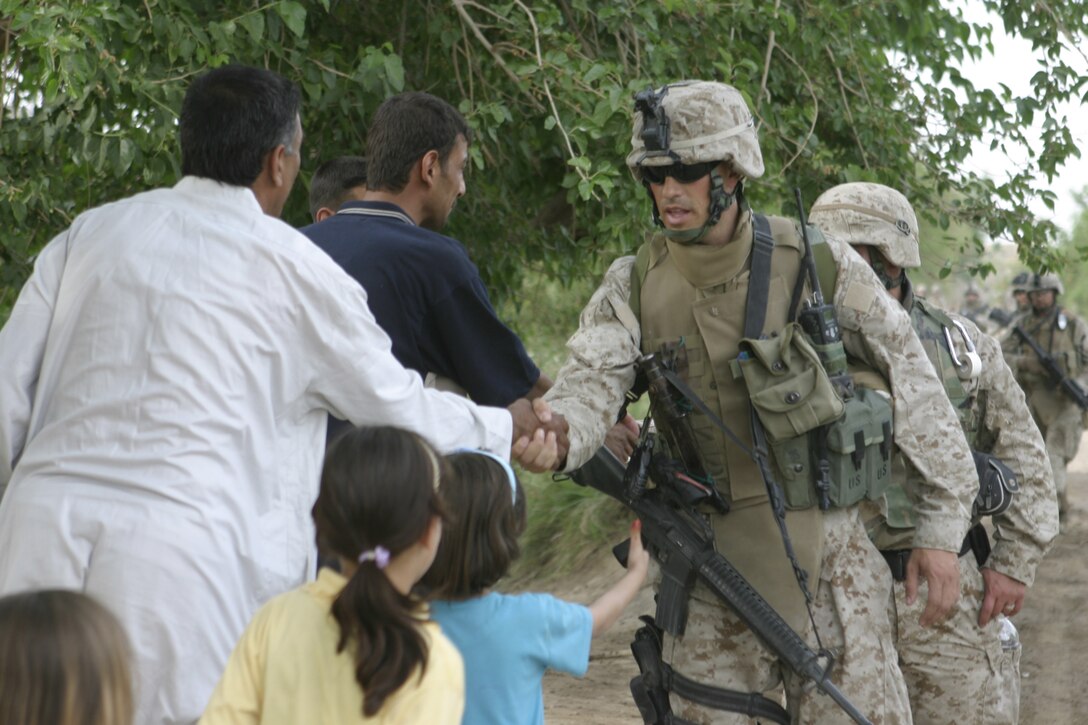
x=684, y=173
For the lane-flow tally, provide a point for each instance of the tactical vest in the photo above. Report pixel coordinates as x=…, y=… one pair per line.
x=779, y=375
x=692, y=299
x=930, y=323
x=692, y=302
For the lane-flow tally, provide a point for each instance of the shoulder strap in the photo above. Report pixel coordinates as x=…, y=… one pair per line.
x=935, y=312
x=639, y=270
x=759, y=278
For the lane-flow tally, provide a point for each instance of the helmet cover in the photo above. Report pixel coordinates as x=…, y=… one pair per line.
x=692, y=122
x=866, y=214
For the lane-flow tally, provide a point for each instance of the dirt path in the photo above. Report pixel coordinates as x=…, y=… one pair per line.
x=1053, y=629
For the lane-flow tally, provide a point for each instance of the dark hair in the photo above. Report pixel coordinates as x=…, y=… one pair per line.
x=378, y=488
x=231, y=118
x=64, y=660
x=334, y=180
x=404, y=128
x=480, y=541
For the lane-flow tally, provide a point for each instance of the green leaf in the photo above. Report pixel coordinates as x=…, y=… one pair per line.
x=597, y=71
x=126, y=152
x=294, y=16
x=580, y=162
x=254, y=25
x=394, y=72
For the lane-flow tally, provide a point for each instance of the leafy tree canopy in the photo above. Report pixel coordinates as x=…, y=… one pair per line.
x=842, y=91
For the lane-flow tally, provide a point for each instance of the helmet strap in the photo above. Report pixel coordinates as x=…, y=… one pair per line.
x=882, y=273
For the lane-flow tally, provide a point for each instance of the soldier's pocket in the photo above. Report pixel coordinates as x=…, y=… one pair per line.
x=789, y=388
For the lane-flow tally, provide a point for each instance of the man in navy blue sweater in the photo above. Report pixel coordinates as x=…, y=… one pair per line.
x=422, y=287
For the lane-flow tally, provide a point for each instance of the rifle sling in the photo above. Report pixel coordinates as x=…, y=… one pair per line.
x=751, y=704
x=658, y=678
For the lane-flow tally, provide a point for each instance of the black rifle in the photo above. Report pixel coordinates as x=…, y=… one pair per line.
x=1054, y=371
x=674, y=425
x=682, y=542
x=817, y=318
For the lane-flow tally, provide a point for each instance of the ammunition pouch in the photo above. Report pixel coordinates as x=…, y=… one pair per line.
x=859, y=449
x=997, y=484
x=788, y=386
x=859, y=455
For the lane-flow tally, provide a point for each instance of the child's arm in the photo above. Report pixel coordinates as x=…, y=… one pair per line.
x=608, y=608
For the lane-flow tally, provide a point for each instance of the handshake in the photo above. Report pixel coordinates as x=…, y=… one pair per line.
x=540, y=436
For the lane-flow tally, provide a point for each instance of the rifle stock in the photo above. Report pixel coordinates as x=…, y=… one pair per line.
x=683, y=545
x=1058, y=378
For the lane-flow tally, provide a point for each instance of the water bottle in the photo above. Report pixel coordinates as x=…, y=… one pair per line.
x=1010, y=638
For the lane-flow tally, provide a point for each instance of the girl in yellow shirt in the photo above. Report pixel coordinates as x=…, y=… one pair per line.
x=355, y=647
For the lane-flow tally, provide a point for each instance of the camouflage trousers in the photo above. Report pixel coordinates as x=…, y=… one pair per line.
x=956, y=672
x=854, y=615
x=1061, y=423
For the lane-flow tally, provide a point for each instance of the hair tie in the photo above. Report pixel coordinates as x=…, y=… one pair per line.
x=502, y=462
x=379, y=555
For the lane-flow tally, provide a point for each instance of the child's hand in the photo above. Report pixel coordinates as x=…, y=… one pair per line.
x=638, y=559
x=608, y=608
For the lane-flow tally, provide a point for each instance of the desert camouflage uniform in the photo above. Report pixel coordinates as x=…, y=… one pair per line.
x=1059, y=419
x=956, y=671
x=854, y=583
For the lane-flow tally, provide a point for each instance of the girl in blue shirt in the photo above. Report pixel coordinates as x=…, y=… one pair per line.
x=508, y=641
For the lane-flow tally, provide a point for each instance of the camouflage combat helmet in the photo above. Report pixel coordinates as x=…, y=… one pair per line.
x=695, y=123
x=698, y=122
x=864, y=214
x=1040, y=282
x=1021, y=282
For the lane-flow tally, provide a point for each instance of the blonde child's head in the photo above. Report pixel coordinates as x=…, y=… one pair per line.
x=64, y=660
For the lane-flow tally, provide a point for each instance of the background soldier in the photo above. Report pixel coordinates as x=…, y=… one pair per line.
x=956, y=672
x=974, y=307
x=693, y=145
x=1020, y=292
x=1064, y=338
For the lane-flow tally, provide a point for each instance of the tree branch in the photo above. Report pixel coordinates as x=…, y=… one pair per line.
x=846, y=107
x=548, y=93
x=767, y=62
x=467, y=19
x=568, y=15
x=815, y=110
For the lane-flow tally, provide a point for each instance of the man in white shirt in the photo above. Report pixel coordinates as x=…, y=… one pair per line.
x=165, y=379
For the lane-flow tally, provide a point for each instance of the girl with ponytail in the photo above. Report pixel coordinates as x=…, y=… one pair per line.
x=355, y=647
